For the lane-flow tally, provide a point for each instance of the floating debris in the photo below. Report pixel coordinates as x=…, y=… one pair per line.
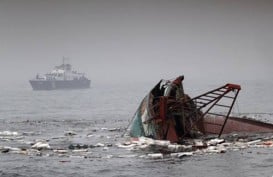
x=155, y=156
x=78, y=146
x=181, y=154
x=15, y=150
x=127, y=156
x=114, y=129
x=70, y=133
x=61, y=151
x=214, y=142
x=144, y=147
x=254, y=142
x=8, y=133
x=90, y=135
x=199, y=143
x=105, y=148
x=268, y=143
x=59, y=137
x=195, y=146
x=99, y=145
x=7, y=149
x=80, y=150
x=29, y=133
x=41, y=146
x=65, y=161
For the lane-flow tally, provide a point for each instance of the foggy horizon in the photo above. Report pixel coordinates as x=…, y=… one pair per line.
x=119, y=119
x=127, y=40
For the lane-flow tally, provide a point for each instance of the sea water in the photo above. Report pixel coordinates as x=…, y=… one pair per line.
x=98, y=117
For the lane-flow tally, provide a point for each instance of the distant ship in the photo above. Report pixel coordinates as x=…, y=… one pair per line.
x=61, y=77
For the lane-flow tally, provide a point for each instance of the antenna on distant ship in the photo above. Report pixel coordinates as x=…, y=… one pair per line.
x=66, y=66
x=65, y=61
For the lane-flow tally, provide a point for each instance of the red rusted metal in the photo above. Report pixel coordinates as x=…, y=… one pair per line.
x=212, y=125
x=233, y=86
x=169, y=132
x=205, y=102
x=187, y=113
x=178, y=80
x=162, y=108
x=170, y=114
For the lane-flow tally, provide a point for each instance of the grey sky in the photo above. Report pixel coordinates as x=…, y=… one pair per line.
x=138, y=39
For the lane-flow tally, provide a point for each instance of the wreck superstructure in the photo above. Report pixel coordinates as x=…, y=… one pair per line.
x=61, y=77
x=167, y=113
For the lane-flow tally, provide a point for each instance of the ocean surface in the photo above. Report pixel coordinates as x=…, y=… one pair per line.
x=98, y=117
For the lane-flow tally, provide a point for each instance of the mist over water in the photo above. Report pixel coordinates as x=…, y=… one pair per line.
x=137, y=40
x=125, y=48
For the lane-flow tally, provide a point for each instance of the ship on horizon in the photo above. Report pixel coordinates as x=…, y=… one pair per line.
x=61, y=77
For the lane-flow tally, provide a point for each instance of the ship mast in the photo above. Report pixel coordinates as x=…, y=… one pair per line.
x=65, y=67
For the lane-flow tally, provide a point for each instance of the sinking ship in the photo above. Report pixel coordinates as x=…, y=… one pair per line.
x=61, y=77
x=168, y=113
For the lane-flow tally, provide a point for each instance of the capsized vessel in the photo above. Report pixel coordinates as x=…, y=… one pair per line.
x=167, y=113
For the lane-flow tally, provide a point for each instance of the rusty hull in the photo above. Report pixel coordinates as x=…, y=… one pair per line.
x=212, y=125
x=167, y=113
